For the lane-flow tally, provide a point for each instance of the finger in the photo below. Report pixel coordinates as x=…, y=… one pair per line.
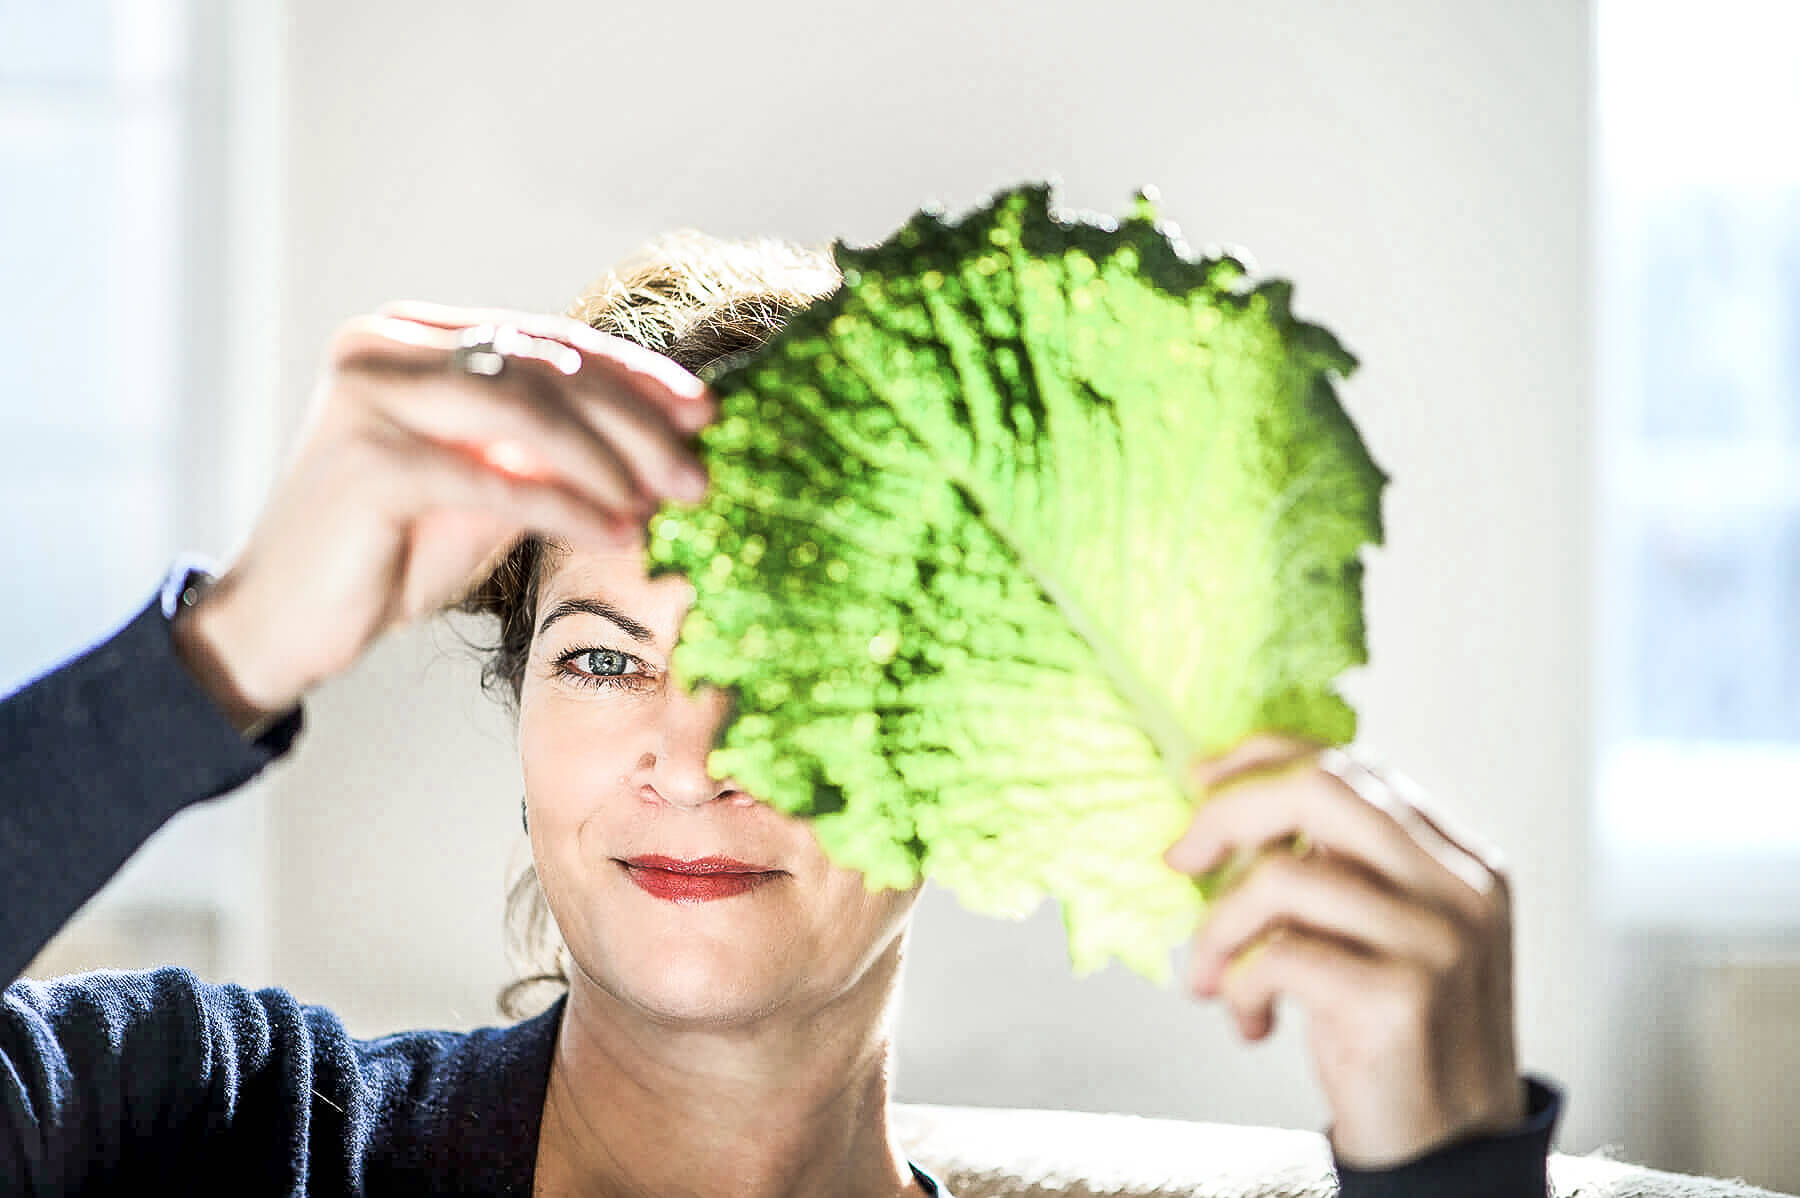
x=612, y=406
x=516, y=422
x=1262, y=756
x=1258, y=1024
x=1255, y=1019
x=1420, y=806
x=418, y=478
x=390, y=347
x=1328, y=978
x=1322, y=894
x=506, y=541
x=608, y=351
x=439, y=551
x=645, y=434
x=525, y=440
x=1406, y=801
x=1262, y=753
x=1244, y=816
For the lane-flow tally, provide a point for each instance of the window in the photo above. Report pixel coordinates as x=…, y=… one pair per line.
x=138, y=234
x=91, y=191
x=1699, y=565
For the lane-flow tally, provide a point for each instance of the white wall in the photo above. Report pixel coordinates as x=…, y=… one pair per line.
x=1419, y=168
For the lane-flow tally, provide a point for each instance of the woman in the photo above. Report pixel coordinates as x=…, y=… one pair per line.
x=723, y=1030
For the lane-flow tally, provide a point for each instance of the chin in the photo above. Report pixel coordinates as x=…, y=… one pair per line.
x=695, y=979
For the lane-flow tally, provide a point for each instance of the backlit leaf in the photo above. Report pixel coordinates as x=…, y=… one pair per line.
x=1002, y=535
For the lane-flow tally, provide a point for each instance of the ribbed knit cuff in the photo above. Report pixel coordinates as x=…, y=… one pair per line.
x=98, y=754
x=1514, y=1164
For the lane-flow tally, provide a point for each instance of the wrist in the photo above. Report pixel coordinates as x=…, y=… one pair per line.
x=214, y=648
x=1386, y=1143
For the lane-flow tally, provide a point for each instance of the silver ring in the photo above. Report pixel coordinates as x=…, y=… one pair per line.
x=478, y=350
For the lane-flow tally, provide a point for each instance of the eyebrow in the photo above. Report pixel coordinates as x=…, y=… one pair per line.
x=594, y=606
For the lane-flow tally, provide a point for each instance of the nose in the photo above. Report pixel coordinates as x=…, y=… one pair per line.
x=676, y=767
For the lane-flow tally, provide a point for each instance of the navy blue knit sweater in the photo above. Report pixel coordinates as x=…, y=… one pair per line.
x=111, y=1081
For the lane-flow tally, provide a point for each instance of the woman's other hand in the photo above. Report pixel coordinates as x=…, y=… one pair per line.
x=1391, y=932
x=412, y=477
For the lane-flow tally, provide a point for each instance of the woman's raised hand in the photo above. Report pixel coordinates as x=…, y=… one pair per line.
x=412, y=477
x=1392, y=933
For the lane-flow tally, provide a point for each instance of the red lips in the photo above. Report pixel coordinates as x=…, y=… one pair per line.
x=703, y=880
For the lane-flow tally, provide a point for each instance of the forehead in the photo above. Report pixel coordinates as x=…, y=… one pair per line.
x=619, y=576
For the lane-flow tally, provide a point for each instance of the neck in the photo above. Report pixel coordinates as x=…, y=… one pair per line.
x=793, y=1105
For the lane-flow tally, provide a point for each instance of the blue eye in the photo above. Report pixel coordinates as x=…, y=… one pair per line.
x=591, y=665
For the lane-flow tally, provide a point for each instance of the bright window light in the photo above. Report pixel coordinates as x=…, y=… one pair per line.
x=1699, y=550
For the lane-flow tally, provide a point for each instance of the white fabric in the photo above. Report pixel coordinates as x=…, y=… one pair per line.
x=979, y=1152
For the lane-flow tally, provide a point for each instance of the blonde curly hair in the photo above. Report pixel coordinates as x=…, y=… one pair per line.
x=701, y=301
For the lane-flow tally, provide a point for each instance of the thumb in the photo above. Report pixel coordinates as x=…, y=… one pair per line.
x=1263, y=752
x=507, y=539
x=442, y=543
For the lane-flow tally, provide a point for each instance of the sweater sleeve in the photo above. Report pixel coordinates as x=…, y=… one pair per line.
x=133, y=1082
x=96, y=755
x=128, y=1081
x=111, y=1079
x=1514, y=1164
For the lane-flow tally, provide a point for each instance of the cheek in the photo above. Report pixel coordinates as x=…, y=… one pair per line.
x=549, y=754
x=570, y=755
x=571, y=758
x=845, y=912
x=859, y=923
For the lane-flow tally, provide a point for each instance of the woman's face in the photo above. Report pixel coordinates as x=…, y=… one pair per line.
x=614, y=759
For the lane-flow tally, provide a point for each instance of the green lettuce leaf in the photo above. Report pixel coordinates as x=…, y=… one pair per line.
x=1006, y=531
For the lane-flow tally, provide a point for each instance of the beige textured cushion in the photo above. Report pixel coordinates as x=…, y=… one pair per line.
x=980, y=1152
